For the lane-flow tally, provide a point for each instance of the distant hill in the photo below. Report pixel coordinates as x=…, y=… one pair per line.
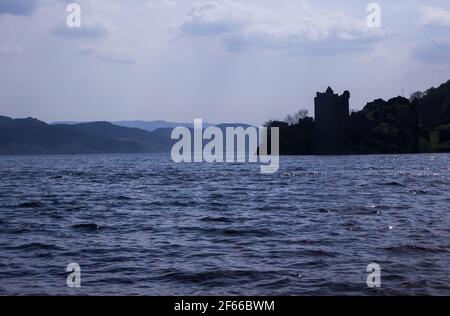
x=149, y=126
x=223, y=126
x=31, y=136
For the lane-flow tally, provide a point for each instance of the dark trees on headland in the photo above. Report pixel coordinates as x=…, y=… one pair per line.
x=399, y=125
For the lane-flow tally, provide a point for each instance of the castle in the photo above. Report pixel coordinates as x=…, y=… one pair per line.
x=331, y=122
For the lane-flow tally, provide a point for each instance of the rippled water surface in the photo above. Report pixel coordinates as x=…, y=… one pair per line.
x=142, y=225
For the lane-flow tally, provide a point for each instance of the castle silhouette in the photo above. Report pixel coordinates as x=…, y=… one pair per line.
x=420, y=124
x=331, y=122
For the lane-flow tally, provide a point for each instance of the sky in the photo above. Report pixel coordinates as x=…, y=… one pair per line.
x=222, y=60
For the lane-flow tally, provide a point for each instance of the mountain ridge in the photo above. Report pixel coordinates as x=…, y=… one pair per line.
x=26, y=136
x=31, y=136
x=149, y=126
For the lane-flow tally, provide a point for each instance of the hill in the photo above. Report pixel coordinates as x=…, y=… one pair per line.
x=149, y=126
x=420, y=124
x=31, y=136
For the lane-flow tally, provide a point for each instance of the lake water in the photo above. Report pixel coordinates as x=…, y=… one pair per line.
x=142, y=225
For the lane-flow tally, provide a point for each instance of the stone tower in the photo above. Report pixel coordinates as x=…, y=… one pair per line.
x=331, y=122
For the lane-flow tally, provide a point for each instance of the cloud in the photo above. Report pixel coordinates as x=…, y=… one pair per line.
x=116, y=58
x=92, y=31
x=435, y=16
x=17, y=7
x=209, y=18
x=154, y=3
x=10, y=50
x=85, y=52
x=435, y=51
x=295, y=29
x=119, y=58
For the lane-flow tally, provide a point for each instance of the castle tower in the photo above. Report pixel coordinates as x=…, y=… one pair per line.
x=331, y=122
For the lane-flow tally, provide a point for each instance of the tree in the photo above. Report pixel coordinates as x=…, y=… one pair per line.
x=290, y=119
x=294, y=119
x=302, y=114
x=268, y=124
x=416, y=96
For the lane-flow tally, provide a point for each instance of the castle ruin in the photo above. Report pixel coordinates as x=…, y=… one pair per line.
x=331, y=122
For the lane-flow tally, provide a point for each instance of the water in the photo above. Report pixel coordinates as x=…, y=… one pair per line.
x=142, y=225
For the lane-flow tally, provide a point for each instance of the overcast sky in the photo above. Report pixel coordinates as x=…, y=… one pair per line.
x=222, y=60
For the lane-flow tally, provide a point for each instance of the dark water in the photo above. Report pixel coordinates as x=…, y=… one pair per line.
x=142, y=225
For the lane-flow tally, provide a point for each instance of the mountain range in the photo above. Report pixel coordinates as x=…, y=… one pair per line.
x=31, y=136
x=149, y=126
